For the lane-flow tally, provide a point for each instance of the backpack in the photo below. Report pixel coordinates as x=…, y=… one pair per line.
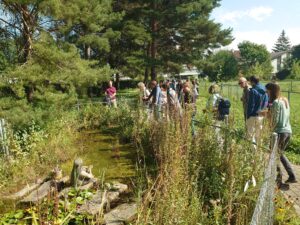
x=264, y=101
x=223, y=108
x=263, y=98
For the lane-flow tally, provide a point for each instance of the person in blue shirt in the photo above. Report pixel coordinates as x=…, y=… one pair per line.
x=257, y=102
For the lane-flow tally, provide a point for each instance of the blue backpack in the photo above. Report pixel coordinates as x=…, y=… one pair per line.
x=264, y=98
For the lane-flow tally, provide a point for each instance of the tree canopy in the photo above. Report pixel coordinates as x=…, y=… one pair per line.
x=255, y=58
x=221, y=66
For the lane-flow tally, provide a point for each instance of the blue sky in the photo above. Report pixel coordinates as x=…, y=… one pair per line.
x=260, y=21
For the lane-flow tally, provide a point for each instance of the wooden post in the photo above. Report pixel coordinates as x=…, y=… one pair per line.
x=3, y=137
x=76, y=172
x=289, y=96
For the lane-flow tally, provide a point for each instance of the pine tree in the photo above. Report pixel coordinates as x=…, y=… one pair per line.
x=282, y=44
x=179, y=32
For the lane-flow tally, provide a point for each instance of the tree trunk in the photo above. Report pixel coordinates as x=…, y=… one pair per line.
x=117, y=81
x=87, y=52
x=146, y=76
x=154, y=26
x=28, y=22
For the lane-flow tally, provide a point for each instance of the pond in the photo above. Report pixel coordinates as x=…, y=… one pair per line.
x=110, y=159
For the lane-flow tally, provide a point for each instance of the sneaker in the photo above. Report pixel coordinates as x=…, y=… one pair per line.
x=284, y=187
x=291, y=180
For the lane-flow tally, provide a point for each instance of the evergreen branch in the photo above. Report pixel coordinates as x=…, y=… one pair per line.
x=10, y=24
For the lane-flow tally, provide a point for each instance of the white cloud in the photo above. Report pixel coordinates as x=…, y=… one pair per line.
x=294, y=35
x=265, y=37
x=257, y=13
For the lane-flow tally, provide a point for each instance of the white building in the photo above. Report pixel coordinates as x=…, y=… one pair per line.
x=278, y=59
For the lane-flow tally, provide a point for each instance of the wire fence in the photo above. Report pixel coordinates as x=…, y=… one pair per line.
x=264, y=209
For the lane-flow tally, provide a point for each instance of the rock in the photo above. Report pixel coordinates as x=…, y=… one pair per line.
x=115, y=223
x=39, y=193
x=122, y=213
x=98, y=202
x=26, y=190
x=119, y=187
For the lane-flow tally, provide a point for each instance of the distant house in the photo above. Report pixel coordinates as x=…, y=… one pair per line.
x=277, y=60
x=187, y=73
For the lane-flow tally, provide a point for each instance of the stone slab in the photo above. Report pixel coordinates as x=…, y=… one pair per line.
x=122, y=213
x=39, y=193
x=98, y=202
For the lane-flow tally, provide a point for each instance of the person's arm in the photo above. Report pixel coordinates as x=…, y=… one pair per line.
x=275, y=111
x=151, y=95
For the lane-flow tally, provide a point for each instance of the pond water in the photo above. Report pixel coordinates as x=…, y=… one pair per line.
x=110, y=159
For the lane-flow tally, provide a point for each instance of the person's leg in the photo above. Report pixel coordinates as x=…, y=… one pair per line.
x=283, y=140
x=250, y=127
x=258, y=129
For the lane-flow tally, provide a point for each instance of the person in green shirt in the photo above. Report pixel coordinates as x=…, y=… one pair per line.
x=280, y=124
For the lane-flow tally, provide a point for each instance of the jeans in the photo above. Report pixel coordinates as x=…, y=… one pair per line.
x=283, y=140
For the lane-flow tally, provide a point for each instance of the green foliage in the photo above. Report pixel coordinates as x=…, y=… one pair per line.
x=118, y=120
x=296, y=52
x=255, y=58
x=295, y=70
x=282, y=44
x=47, y=211
x=164, y=35
x=221, y=66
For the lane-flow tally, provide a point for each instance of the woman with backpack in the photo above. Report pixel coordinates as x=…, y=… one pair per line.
x=212, y=101
x=280, y=124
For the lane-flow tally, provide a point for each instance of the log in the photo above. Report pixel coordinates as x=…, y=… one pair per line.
x=39, y=193
x=23, y=192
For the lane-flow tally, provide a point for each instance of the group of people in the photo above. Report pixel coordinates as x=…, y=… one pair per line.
x=260, y=102
x=169, y=96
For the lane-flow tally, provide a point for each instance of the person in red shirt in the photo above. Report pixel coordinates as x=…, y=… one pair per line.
x=111, y=93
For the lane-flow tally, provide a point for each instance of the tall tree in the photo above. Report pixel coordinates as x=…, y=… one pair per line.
x=86, y=24
x=282, y=44
x=180, y=32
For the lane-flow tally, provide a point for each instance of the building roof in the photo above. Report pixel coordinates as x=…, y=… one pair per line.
x=275, y=55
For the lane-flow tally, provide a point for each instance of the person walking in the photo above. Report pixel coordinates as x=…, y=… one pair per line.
x=280, y=124
x=243, y=83
x=111, y=93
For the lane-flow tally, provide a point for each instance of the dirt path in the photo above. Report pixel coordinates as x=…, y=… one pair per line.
x=293, y=194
